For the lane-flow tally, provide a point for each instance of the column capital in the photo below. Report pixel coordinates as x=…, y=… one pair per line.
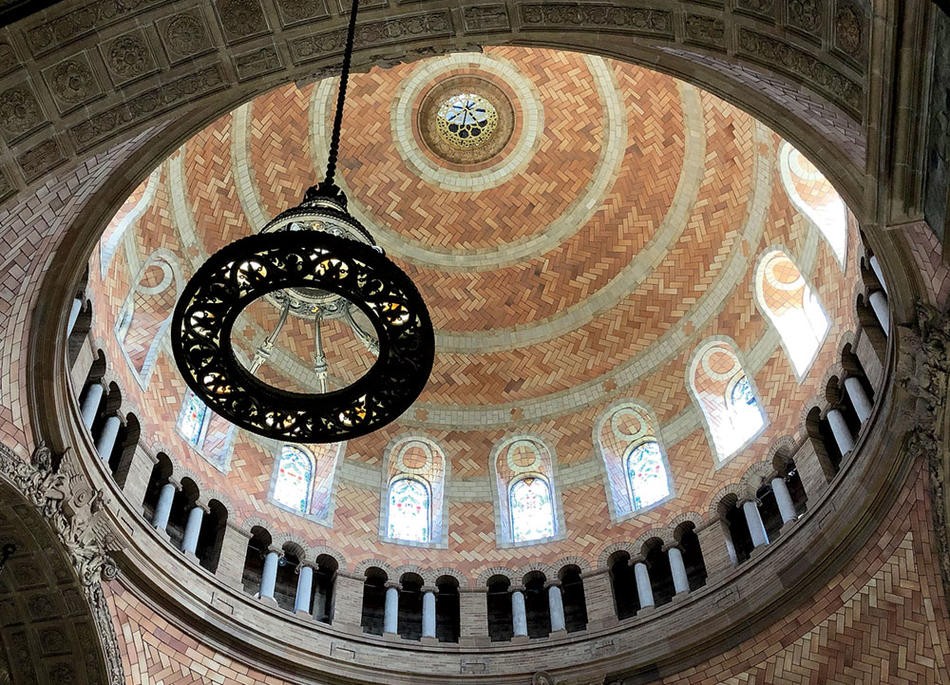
x=276, y=550
x=307, y=563
x=175, y=482
x=201, y=505
x=554, y=582
x=671, y=545
x=392, y=584
x=637, y=560
x=516, y=588
x=430, y=588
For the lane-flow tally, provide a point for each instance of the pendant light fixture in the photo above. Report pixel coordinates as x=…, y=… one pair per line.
x=317, y=259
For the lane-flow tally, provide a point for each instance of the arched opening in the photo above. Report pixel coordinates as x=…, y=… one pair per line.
x=257, y=548
x=324, y=578
x=768, y=509
x=823, y=442
x=623, y=582
x=737, y=527
x=211, y=536
x=161, y=472
x=410, y=606
x=572, y=595
x=500, y=625
x=285, y=588
x=126, y=442
x=447, y=610
x=185, y=498
x=537, y=607
x=661, y=575
x=688, y=540
x=374, y=601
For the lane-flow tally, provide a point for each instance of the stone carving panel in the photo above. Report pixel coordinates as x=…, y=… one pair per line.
x=8, y=59
x=72, y=82
x=241, y=19
x=850, y=31
x=817, y=75
x=7, y=187
x=156, y=100
x=805, y=15
x=651, y=22
x=89, y=17
x=705, y=30
x=184, y=35
x=414, y=27
x=40, y=159
x=257, y=62
x=128, y=57
x=20, y=112
x=297, y=11
x=484, y=18
x=764, y=8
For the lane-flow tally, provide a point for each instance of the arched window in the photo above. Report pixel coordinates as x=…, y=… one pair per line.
x=146, y=314
x=726, y=398
x=527, y=509
x=635, y=466
x=813, y=195
x=414, y=499
x=293, y=479
x=409, y=510
x=211, y=435
x=193, y=420
x=792, y=307
x=646, y=475
x=532, y=511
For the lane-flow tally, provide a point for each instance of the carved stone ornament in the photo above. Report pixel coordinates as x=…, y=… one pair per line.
x=70, y=507
x=301, y=10
x=78, y=22
x=486, y=18
x=129, y=56
x=758, y=6
x=72, y=81
x=542, y=678
x=926, y=376
x=241, y=18
x=805, y=14
x=705, y=30
x=8, y=58
x=602, y=17
x=41, y=158
x=849, y=30
x=184, y=35
x=19, y=110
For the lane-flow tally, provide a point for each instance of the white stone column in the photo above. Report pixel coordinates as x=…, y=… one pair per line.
x=859, y=399
x=164, y=507
x=428, y=612
x=189, y=544
x=878, y=302
x=391, y=609
x=304, y=590
x=269, y=575
x=73, y=316
x=106, y=440
x=556, y=607
x=754, y=520
x=90, y=404
x=644, y=589
x=841, y=432
x=784, y=500
x=519, y=615
x=876, y=268
x=680, y=579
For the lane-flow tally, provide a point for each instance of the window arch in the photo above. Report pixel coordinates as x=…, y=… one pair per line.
x=813, y=195
x=527, y=508
x=130, y=211
x=792, y=307
x=414, y=497
x=211, y=435
x=147, y=313
x=637, y=474
x=726, y=397
x=293, y=479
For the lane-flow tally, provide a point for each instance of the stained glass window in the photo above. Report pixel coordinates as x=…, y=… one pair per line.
x=193, y=420
x=744, y=415
x=294, y=476
x=409, y=510
x=532, y=511
x=646, y=475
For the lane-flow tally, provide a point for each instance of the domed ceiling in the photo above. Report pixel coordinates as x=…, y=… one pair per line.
x=579, y=228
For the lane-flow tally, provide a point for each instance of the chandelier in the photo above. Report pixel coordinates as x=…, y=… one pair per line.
x=312, y=260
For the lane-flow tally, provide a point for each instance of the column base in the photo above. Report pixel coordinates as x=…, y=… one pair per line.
x=646, y=611
x=680, y=596
x=758, y=551
x=429, y=641
x=520, y=639
x=303, y=613
x=391, y=637
x=268, y=601
x=192, y=557
x=787, y=527
x=162, y=534
x=558, y=633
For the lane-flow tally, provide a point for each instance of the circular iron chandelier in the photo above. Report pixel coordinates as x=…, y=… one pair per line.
x=312, y=260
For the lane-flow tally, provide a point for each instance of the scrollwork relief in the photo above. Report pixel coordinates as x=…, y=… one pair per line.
x=241, y=18
x=850, y=25
x=805, y=14
x=601, y=17
x=71, y=81
x=184, y=35
x=128, y=56
x=19, y=111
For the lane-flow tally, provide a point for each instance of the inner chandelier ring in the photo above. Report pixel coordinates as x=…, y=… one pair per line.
x=260, y=264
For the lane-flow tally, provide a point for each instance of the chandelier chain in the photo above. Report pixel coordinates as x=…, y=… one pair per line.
x=341, y=98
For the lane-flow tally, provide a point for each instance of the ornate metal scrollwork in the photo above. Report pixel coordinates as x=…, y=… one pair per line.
x=260, y=264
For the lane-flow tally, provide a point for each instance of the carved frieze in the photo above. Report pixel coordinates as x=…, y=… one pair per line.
x=805, y=15
x=414, y=27
x=257, y=62
x=41, y=158
x=241, y=19
x=483, y=18
x=186, y=88
x=184, y=35
x=72, y=82
x=20, y=112
x=296, y=11
x=704, y=30
x=128, y=57
x=781, y=56
x=613, y=18
x=850, y=30
x=78, y=22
